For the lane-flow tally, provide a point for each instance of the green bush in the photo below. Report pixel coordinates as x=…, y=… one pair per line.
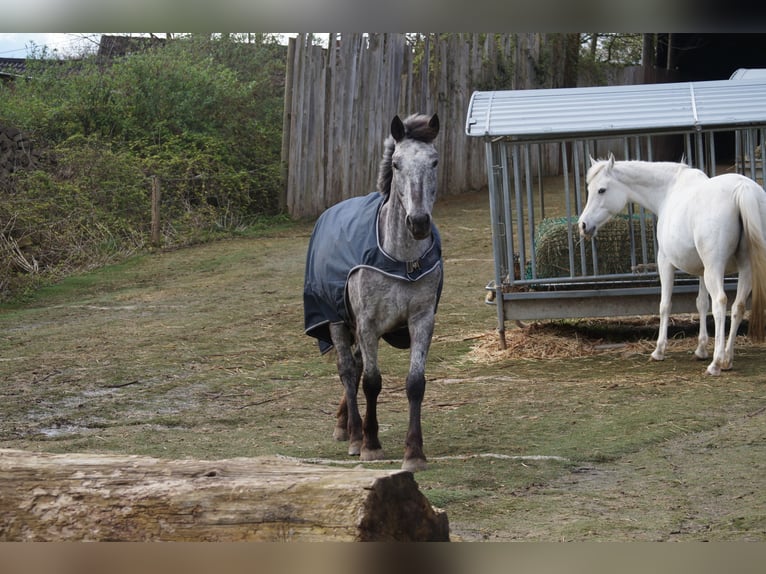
x=201, y=115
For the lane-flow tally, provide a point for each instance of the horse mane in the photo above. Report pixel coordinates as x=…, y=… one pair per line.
x=601, y=164
x=416, y=127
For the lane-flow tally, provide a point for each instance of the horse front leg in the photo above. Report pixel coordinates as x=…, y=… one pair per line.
x=703, y=306
x=348, y=422
x=667, y=272
x=421, y=332
x=372, y=385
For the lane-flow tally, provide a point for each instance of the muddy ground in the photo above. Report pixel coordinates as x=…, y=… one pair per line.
x=573, y=434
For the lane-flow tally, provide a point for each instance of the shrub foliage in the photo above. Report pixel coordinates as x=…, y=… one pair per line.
x=202, y=115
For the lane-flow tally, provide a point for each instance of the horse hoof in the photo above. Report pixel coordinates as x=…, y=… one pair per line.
x=701, y=354
x=369, y=455
x=414, y=464
x=355, y=447
x=340, y=434
x=657, y=356
x=714, y=370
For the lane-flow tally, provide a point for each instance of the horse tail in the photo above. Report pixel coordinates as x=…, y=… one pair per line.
x=751, y=201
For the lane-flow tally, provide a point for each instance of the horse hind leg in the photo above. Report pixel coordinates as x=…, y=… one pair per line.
x=714, y=283
x=703, y=306
x=744, y=286
x=340, y=433
x=348, y=424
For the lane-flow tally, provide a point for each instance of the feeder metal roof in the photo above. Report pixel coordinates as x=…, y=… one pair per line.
x=570, y=112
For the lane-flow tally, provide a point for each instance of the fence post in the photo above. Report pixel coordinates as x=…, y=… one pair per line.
x=287, y=115
x=155, y=211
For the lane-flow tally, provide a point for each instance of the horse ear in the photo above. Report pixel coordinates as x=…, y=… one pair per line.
x=593, y=160
x=397, y=129
x=611, y=160
x=434, y=124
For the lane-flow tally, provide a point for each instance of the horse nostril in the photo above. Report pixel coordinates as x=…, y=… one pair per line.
x=419, y=225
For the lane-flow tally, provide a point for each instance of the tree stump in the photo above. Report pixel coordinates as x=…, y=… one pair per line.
x=79, y=497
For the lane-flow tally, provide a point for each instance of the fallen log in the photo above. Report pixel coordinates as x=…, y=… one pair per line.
x=97, y=497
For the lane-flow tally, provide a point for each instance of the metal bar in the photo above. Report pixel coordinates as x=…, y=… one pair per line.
x=517, y=182
x=568, y=205
x=540, y=191
x=739, y=160
x=751, y=153
x=497, y=244
x=688, y=150
x=631, y=235
x=506, y=216
x=700, y=151
x=763, y=155
x=593, y=243
x=578, y=196
x=530, y=210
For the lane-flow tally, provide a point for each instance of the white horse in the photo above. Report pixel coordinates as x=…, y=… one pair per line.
x=705, y=226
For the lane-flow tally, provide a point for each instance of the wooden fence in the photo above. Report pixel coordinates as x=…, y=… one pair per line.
x=340, y=100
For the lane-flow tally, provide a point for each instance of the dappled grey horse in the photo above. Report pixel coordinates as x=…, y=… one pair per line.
x=374, y=269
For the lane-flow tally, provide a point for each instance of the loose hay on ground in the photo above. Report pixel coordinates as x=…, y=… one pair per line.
x=568, y=339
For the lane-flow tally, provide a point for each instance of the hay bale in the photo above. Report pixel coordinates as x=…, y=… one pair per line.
x=613, y=246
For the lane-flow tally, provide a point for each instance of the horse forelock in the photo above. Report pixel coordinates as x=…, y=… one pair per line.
x=595, y=169
x=417, y=128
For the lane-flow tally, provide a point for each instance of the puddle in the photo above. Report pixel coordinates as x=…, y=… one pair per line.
x=55, y=432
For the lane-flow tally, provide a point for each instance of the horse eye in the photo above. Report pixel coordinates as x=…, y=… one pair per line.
x=601, y=190
x=395, y=165
x=435, y=163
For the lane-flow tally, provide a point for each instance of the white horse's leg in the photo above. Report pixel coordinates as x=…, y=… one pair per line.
x=744, y=286
x=714, y=283
x=703, y=306
x=667, y=272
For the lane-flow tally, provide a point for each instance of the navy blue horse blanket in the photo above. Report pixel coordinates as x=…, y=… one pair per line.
x=345, y=238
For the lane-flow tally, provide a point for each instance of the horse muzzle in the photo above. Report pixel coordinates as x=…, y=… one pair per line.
x=419, y=225
x=586, y=231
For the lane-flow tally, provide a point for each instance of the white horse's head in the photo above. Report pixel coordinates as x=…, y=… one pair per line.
x=607, y=196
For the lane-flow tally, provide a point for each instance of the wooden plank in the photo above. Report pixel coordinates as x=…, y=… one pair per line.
x=99, y=497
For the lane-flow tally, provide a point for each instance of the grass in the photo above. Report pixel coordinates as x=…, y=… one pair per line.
x=200, y=352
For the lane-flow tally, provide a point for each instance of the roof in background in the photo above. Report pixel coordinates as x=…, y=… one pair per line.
x=749, y=73
x=13, y=66
x=570, y=112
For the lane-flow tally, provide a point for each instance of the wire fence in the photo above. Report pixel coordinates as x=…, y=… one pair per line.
x=50, y=229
